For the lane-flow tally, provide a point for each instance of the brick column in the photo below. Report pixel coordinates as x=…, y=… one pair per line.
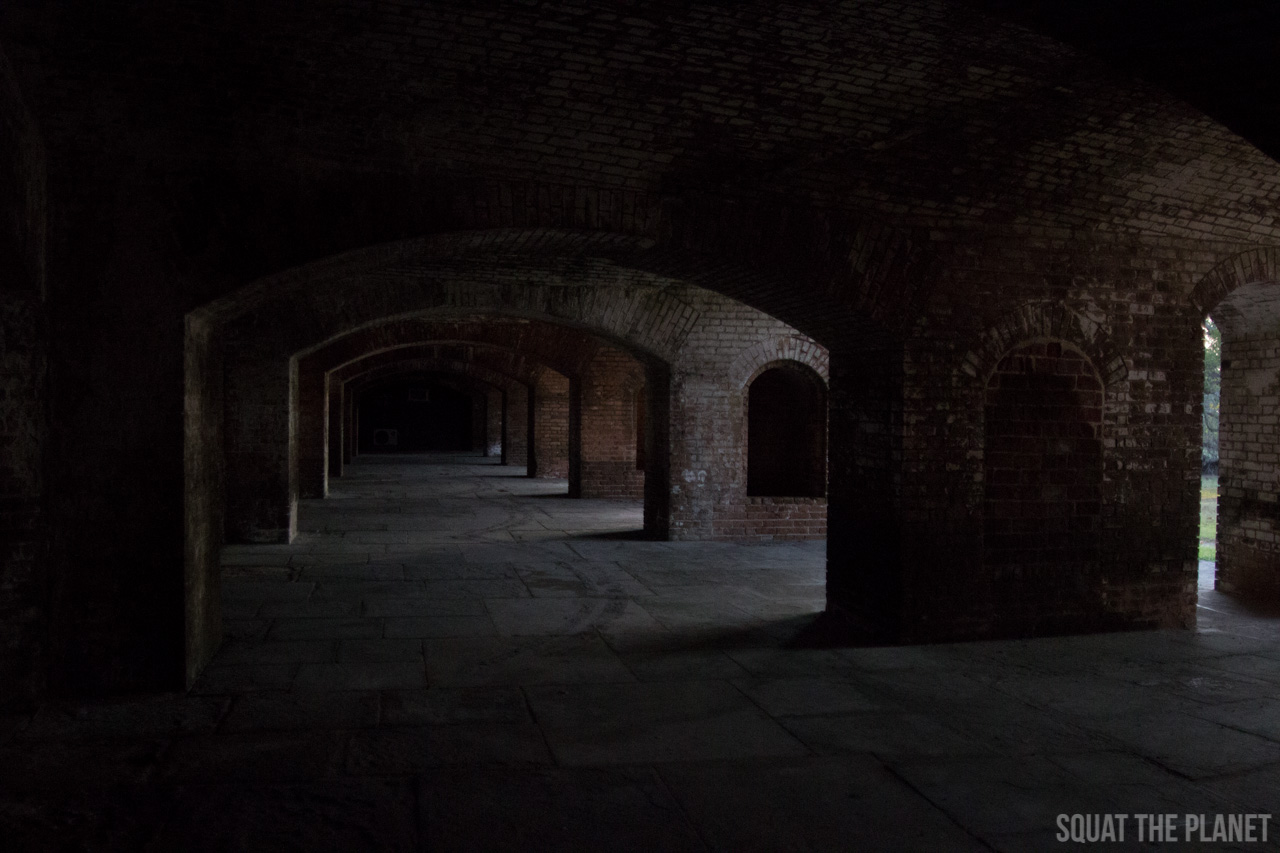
x=864, y=561
x=335, y=407
x=602, y=431
x=550, y=444
x=515, y=425
x=350, y=425
x=480, y=419
x=705, y=443
x=493, y=423
x=657, y=453
x=261, y=506
x=312, y=422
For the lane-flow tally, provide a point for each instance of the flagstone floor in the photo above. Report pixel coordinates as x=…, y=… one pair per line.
x=454, y=657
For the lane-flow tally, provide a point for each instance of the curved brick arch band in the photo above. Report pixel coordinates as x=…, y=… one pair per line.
x=820, y=271
x=1255, y=266
x=497, y=372
x=752, y=362
x=1046, y=321
x=1242, y=295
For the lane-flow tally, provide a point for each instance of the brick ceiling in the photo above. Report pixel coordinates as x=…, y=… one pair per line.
x=926, y=112
x=1222, y=56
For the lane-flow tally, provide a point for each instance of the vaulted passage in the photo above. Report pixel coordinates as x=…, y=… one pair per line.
x=419, y=414
x=659, y=371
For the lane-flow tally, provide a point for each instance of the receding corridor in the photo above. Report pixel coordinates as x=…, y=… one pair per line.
x=452, y=656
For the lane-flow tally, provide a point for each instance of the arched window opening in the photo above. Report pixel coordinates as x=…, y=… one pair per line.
x=1043, y=473
x=787, y=434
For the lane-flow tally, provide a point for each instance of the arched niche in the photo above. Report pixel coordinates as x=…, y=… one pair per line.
x=787, y=432
x=1042, y=472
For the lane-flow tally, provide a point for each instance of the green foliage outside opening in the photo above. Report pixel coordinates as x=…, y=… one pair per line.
x=1209, y=447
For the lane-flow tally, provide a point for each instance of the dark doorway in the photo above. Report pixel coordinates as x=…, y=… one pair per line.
x=786, y=434
x=414, y=415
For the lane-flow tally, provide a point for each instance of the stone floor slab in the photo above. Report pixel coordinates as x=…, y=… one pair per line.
x=568, y=616
x=1192, y=746
x=430, y=627
x=387, y=649
x=406, y=751
x=152, y=716
x=598, y=724
x=445, y=705
x=340, y=628
x=302, y=711
x=252, y=757
x=811, y=805
x=336, y=815
x=244, y=652
x=790, y=697
x=361, y=675
x=421, y=607
x=245, y=678
x=553, y=809
x=527, y=660
x=894, y=734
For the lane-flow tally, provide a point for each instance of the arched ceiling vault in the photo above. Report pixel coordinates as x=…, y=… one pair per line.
x=388, y=376
x=563, y=349
x=926, y=111
x=515, y=367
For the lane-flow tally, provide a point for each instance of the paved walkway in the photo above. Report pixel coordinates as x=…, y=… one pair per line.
x=455, y=657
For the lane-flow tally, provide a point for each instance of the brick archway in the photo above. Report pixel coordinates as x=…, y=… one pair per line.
x=456, y=422
x=503, y=438
x=1242, y=296
x=643, y=297
x=786, y=452
x=765, y=354
x=1255, y=266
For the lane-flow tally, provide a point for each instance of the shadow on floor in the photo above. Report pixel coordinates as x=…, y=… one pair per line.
x=615, y=536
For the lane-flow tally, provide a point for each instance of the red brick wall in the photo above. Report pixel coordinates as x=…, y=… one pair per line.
x=767, y=519
x=603, y=428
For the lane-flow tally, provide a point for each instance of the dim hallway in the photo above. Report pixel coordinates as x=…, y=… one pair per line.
x=455, y=657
